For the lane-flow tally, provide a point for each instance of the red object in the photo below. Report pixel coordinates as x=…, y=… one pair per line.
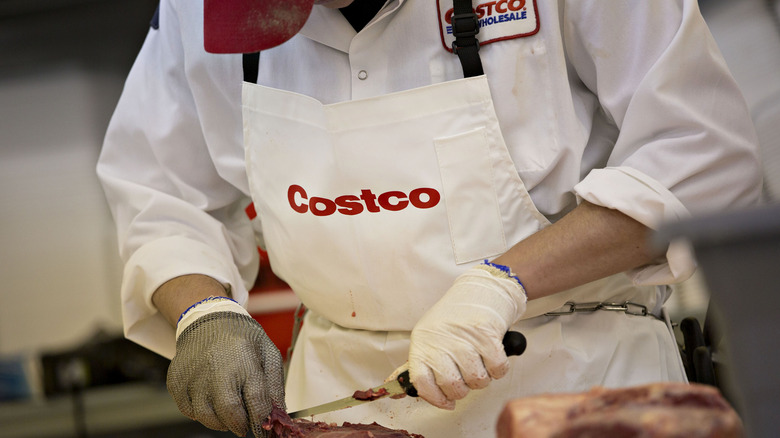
x=246, y=26
x=251, y=213
x=277, y=325
x=266, y=279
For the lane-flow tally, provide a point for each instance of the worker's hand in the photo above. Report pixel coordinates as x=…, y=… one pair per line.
x=226, y=374
x=456, y=346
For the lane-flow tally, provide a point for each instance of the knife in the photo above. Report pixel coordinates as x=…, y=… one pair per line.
x=514, y=345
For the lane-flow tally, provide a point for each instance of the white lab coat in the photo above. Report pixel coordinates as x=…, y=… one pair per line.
x=627, y=105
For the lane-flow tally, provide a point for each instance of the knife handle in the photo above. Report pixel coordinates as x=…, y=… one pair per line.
x=514, y=345
x=406, y=383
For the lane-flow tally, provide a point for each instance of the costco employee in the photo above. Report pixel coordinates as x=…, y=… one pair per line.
x=420, y=196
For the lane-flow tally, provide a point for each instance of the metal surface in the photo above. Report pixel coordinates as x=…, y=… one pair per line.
x=739, y=255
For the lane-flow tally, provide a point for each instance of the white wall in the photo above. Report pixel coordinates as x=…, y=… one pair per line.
x=749, y=37
x=58, y=262
x=748, y=33
x=62, y=66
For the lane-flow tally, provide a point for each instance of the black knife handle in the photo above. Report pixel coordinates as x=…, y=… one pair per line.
x=514, y=345
x=406, y=384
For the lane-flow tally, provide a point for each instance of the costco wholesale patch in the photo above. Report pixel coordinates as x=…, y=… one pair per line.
x=498, y=20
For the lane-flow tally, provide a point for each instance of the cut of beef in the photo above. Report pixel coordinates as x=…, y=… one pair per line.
x=369, y=394
x=659, y=410
x=282, y=426
x=349, y=430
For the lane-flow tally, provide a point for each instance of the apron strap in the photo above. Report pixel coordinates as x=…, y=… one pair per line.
x=465, y=27
x=250, y=62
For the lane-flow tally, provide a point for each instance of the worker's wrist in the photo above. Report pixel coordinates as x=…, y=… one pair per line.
x=502, y=271
x=206, y=306
x=178, y=294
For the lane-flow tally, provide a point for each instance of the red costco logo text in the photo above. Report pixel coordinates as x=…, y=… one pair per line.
x=493, y=7
x=393, y=200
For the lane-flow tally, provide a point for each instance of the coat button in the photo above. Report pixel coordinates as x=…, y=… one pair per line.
x=362, y=75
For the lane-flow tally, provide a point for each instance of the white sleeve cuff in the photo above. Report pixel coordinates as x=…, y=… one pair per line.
x=152, y=265
x=647, y=201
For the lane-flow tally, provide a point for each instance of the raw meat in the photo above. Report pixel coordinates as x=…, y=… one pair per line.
x=369, y=394
x=659, y=410
x=282, y=426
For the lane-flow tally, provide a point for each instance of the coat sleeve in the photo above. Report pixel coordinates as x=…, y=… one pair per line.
x=172, y=171
x=687, y=144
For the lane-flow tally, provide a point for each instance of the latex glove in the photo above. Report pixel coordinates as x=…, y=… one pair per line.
x=226, y=374
x=456, y=346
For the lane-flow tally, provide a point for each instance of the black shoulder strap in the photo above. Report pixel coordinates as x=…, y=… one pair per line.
x=465, y=27
x=251, y=61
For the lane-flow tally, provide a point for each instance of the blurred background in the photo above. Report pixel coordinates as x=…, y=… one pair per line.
x=64, y=369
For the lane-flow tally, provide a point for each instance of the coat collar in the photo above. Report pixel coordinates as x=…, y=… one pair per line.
x=328, y=26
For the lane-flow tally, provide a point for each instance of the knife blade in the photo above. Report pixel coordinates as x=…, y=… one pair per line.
x=514, y=345
x=393, y=388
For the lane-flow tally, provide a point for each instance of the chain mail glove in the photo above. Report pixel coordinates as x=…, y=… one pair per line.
x=456, y=346
x=226, y=374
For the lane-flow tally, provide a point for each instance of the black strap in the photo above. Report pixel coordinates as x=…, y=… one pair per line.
x=465, y=27
x=251, y=62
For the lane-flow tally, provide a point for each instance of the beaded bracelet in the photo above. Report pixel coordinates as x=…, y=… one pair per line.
x=204, y=301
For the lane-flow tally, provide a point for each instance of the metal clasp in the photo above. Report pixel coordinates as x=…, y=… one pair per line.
x=627, y=307
x=642, y=310
x=566, y=309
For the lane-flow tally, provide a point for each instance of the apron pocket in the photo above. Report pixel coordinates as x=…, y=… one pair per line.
x=470, y=197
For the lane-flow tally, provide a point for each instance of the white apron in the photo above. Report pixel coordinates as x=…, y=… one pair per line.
x=371, y=208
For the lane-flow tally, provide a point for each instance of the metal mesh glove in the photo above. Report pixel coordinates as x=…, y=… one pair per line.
x=456, y=346
x=226, y=374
